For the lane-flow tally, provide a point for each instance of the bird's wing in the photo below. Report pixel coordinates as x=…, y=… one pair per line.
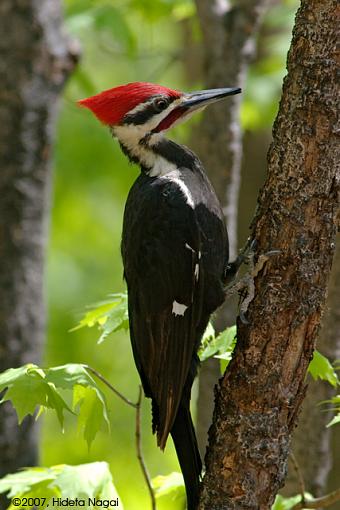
x=162, y=264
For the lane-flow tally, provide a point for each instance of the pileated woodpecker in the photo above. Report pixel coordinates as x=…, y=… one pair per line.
x=175, y=253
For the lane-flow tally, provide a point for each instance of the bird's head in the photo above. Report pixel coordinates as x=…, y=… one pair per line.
x=138, y=113
x=149, y=107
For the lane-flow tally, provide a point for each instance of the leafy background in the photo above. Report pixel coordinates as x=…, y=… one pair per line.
x=122, y=41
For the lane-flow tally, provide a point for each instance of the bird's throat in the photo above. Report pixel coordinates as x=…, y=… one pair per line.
x=143, y=150
x=155, y=154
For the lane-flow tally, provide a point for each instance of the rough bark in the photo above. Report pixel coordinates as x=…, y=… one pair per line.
x=229, y=35
x=35, y=60
x=258, y=400
x=311, y=438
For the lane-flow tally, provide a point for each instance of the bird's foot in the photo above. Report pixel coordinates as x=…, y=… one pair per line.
x=245, y=286
x=245, y=257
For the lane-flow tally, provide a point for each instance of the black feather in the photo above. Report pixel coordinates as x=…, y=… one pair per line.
x=175, y=249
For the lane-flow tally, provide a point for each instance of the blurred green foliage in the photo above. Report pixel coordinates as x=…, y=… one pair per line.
x=30, y=386
x=39, y=486
x=122, y=41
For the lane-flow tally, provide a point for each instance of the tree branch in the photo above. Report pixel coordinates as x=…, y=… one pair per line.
x=136, y=406
x=109, y=385
x=299, y=476
x=140, y=453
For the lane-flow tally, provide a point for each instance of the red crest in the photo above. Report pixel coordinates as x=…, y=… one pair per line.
x=111, y=105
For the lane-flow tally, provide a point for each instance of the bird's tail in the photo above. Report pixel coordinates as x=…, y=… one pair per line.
x=184, y=438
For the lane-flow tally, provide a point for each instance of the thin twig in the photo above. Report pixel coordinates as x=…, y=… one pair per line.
x=322, y=502
x=137, y=406
x=140, y=453
x=299, y=477
x=109, y=385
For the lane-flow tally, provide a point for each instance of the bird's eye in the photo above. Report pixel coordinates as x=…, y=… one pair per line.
x=160, y=104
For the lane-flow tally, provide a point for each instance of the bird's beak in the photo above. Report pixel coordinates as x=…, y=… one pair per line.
x=196, y=100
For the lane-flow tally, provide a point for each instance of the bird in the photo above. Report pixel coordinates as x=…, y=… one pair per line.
x=175, y=253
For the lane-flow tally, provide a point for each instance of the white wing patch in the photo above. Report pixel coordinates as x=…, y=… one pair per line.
x=178, y=308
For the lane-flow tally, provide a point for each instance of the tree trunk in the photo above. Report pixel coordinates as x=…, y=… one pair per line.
x=259, y=398
x=229, y=35
x=311, y=438
x=35, y=61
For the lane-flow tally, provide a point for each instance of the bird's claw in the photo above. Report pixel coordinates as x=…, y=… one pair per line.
x=245, y=257
x=272, y=252
x=243, y=318
x=245, y=285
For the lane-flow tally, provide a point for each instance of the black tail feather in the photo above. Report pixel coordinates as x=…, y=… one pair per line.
x=184, y=438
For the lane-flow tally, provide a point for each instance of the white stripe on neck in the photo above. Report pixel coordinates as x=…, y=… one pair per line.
x=156, y=164
x=175, y=177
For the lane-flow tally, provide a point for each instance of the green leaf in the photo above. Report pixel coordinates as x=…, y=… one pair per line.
x=110, y=316
x=84, y=481
x=321, y=368
x=335, y=401
x=118, y=317
x=25, y=480
x=67, y=376
x=170, y=492
x=227, y=339
x=334, y=421
x=97, y=316
x=92, y=411
x=283, y=503
x=209, y=334
x=28, y=388
x=221, y=346
x=207, y=348
x=87, y=397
